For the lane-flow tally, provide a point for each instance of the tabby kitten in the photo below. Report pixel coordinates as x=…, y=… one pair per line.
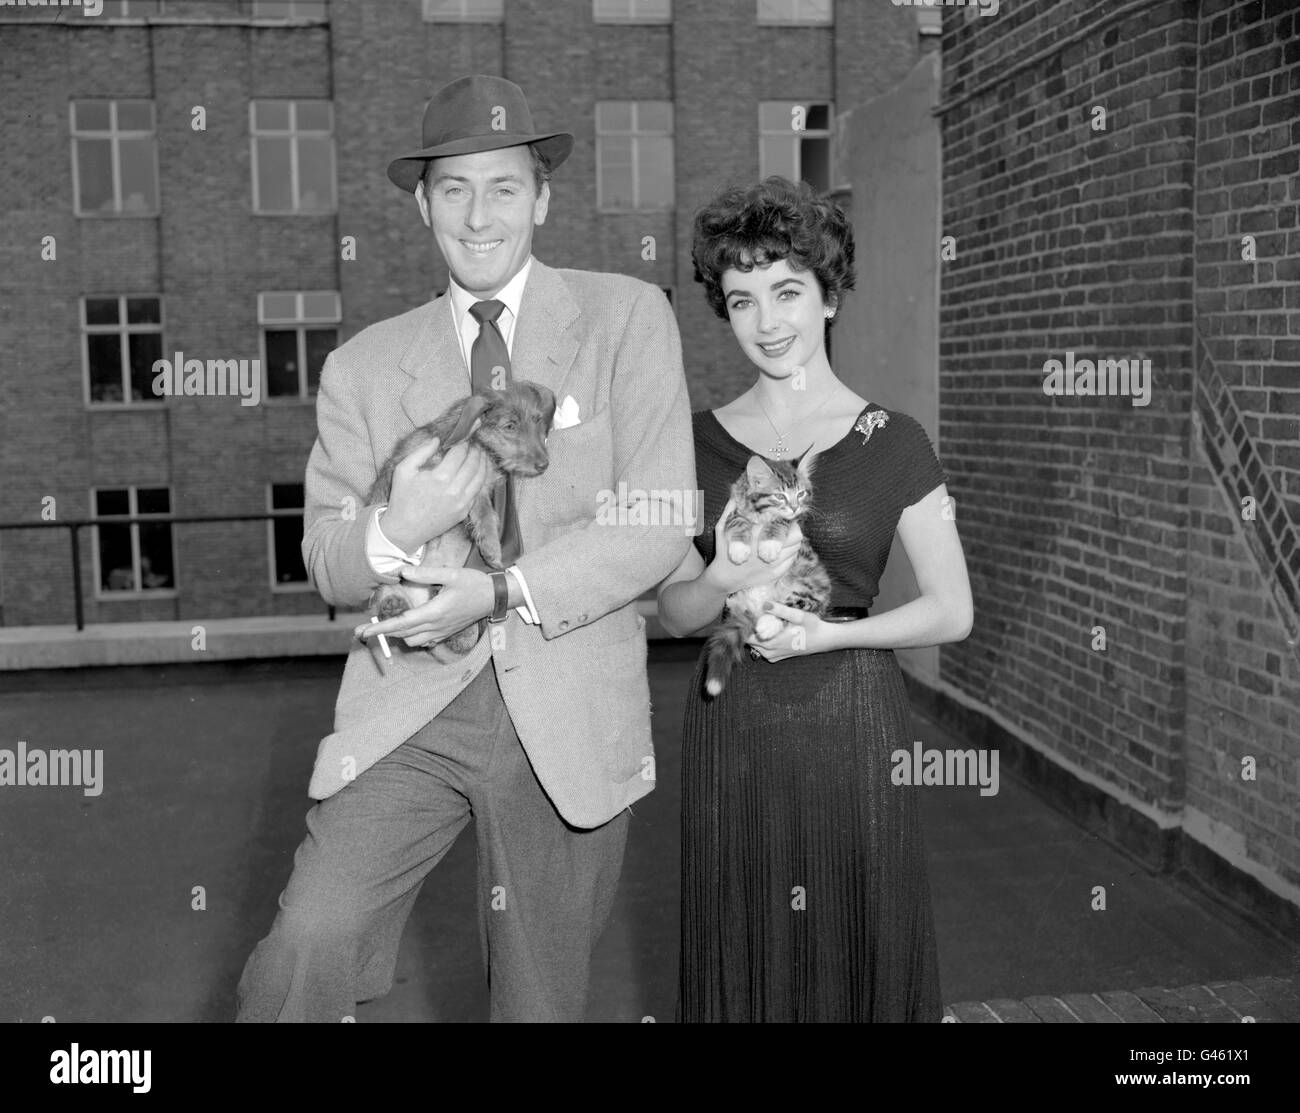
x=771, y=496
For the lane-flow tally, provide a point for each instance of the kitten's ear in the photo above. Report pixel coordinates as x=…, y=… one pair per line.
x=758, y=471
x=804, y=468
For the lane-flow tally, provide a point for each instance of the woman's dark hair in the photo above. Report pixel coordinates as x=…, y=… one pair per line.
x=744, y=227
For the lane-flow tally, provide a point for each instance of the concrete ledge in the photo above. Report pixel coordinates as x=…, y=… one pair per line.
x=225, y=639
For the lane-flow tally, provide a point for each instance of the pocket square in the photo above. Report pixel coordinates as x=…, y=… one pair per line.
x=566, y=414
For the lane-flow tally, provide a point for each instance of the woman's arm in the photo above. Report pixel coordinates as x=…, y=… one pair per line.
x=692, y=596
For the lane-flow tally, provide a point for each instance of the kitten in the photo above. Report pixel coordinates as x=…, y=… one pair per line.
x=771, y=496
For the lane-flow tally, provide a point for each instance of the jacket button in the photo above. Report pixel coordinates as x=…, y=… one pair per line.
x=582, y=618
x=564, y=625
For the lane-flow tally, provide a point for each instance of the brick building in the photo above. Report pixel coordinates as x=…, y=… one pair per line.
x=1120, y=180
x=207, y=177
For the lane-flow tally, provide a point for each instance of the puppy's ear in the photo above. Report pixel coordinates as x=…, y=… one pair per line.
x=543, y=398
x=470, y=414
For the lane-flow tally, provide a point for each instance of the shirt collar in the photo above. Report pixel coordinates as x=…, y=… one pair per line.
x=510, y=296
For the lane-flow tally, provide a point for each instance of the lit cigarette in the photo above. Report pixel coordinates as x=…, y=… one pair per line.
x=383, y=641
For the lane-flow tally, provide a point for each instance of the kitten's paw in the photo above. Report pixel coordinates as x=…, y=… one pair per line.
x=737, y=552
x=769, y=550
x=767, y=627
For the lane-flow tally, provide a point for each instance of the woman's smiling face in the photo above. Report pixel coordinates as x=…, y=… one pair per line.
x=778, y=315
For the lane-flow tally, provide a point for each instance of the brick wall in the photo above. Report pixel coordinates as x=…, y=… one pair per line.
x=1082, y=511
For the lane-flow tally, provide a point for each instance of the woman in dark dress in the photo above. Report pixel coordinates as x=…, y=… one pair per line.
x=804, y=887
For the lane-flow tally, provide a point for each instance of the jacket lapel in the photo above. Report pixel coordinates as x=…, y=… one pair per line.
x=434, y=364
x=544, y=348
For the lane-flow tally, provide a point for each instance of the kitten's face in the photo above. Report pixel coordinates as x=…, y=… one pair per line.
x=778, y=489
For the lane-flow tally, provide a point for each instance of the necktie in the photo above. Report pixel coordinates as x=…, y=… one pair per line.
x=489, y=369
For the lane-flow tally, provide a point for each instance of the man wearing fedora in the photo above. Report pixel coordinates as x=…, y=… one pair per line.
x=541, y=733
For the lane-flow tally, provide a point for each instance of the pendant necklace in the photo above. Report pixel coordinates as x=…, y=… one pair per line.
x=778, y=450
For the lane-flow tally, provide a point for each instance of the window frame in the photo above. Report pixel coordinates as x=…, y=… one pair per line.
x=292, y=134
x=797, y=137
x=465, y=16
x=797, y=19
x=123, y=330
x=632, y=18
x=300, y=325
x=140, y=592
x=114, y=135
x=635, y=134
x=292, y=587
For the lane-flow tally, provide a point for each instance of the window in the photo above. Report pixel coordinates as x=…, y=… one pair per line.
x=291, y=9
x=794, y=11
x=293, y=156
x=632, y=11
x=464, y=11
x=121, y=339
x=133, y=558
x=285, y=535
x=114, y=158
x=634, y=154
x=131, y=9
x=298, y=331
x=795, y=142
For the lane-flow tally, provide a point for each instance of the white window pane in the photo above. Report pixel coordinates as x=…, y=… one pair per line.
x=139, y=176
x=655, y=115
x=314, y=115
x=776, y=155
x=656, y=168
x=271, y=115
x=272, y=9
x=134, y=115
x=614, y=157
x=613, y=115
x=320, y=306
x=316, y=174
x=274, y=183
x=95, y=175
x=815, y=11
x=775, y=10
x=91, y=115
x=278, y=307
x=774, y=115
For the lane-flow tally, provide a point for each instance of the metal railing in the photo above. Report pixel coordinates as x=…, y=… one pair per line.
x=75, y=525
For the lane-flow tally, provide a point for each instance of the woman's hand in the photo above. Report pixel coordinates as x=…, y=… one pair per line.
x=802, y=633
x=726, y=577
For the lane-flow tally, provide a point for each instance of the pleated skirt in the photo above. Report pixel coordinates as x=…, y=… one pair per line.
x=805, y=895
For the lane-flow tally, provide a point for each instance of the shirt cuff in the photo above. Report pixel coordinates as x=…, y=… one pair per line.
x=385, y=557
x=528, y=612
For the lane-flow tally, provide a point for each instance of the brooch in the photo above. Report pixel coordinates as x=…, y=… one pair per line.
x=868, y=423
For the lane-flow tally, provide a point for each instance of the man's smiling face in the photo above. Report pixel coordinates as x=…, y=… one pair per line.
x=483, y=209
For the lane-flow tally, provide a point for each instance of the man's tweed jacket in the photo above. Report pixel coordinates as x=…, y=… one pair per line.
x=576, y=686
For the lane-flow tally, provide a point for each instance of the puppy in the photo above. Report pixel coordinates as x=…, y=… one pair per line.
x=510, y=427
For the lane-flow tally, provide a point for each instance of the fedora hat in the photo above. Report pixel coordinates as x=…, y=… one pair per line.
x=476, y=113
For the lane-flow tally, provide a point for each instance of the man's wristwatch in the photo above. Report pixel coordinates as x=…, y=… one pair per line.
x=501, y=597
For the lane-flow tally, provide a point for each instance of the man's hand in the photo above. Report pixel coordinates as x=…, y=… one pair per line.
x=426, y=502
x=466, y=596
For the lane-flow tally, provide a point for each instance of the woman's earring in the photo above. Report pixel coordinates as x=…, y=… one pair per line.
x=830, y=313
